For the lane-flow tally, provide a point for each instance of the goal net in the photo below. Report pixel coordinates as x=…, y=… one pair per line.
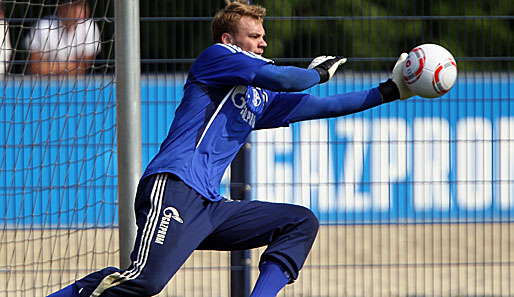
x=58, y=213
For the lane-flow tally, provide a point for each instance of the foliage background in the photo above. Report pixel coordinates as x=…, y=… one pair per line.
x=479, y=33
x=369, y=32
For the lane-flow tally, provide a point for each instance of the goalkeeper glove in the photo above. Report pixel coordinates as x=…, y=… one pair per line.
x=395, y=88
x=326, y=66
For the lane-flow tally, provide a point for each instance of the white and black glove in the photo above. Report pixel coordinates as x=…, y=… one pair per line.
x=326, y=66
x=395, y=88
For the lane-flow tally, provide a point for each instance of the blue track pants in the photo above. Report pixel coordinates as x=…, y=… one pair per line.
x=173, y=221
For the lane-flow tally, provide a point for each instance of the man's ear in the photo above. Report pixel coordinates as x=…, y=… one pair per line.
x=226, y=38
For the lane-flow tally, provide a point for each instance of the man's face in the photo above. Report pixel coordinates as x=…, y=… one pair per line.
x=250, y=36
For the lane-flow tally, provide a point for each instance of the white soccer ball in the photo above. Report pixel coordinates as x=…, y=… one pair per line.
x=430, y=70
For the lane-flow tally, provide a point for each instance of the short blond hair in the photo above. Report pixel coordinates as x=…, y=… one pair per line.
x=227, y=19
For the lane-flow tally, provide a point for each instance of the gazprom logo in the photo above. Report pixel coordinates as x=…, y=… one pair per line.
x=167, y=214
x=173, y=212
x=239, y=100
x=238, y=97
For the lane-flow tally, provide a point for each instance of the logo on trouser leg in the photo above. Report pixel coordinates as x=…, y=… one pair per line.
x=168, y=214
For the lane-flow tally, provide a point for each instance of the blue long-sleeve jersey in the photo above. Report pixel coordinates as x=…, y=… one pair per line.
x=225, y=98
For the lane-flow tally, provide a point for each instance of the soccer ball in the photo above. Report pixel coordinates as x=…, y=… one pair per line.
x=430, y=70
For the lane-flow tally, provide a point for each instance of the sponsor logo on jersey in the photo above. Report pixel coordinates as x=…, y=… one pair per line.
x=250, y=101
x=167, y=214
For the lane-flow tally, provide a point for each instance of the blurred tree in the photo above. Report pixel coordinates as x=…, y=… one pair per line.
x=371, y=33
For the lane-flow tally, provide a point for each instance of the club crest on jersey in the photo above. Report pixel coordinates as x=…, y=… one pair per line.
x=256, y=100
x=250, y=101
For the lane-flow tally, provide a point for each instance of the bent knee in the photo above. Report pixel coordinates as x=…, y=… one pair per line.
x=307, y=219
x=313, y=222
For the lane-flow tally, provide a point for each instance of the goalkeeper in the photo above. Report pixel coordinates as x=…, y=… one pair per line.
x=230, y=91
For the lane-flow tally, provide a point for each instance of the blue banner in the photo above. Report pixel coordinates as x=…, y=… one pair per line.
x=449, y=159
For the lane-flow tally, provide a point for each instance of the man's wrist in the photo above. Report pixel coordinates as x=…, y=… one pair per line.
x=323, y=74
x=389, y=91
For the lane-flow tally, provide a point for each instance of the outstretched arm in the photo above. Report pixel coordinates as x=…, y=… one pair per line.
x=293, y=79
x=316, y=107
x=285, y=78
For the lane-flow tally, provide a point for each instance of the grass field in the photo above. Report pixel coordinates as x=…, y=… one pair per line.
x=364, y=260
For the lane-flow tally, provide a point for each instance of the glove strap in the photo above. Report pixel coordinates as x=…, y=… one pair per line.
x=323, y=73
x=389, y=91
